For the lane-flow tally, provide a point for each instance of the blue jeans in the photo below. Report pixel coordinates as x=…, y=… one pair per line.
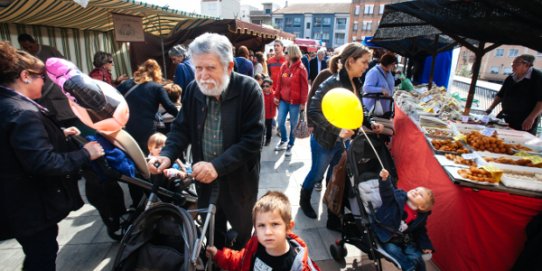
x=409, y=257
x=321, y=158
x=293, y=110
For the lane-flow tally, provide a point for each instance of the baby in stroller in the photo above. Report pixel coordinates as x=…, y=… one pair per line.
x=400, y=223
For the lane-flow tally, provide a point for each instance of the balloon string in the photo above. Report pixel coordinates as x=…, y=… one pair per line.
x=373, y=147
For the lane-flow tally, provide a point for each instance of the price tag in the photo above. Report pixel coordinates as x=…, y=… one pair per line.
x=469, y=156
x=488, y=131
x=426, y=98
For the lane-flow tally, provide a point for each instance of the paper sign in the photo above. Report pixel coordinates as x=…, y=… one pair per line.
x=488, y=131
x=128, y=28
x=426, y=98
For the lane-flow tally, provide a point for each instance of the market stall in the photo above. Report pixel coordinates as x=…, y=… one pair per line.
x=478, y=221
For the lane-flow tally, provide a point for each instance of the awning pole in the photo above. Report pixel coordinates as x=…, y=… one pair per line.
x=479, y=53
x=162, y=45
x=433, y=61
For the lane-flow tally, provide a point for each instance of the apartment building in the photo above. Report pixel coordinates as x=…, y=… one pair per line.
x=225, y=9
x=496, y=64
x=327, y=22
x=365, y=16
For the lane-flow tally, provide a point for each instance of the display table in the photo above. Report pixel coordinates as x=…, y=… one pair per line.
x=470, y=229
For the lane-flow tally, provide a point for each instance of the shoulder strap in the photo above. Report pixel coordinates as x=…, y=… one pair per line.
x=130, y=90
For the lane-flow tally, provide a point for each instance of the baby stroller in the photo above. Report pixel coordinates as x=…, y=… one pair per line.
x=160, y=234
x=363, y=198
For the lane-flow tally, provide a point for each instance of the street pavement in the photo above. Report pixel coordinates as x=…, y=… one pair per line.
x=85, y=245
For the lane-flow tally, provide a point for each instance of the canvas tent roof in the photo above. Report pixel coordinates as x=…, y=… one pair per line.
x=96, y=16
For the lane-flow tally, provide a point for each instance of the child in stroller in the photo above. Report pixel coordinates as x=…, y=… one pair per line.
x=378, y=232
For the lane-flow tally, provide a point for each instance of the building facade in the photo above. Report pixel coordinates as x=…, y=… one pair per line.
x=263, y=17
x=325, y=22
x=225, y=9
x=365, y=15
x=496, y=64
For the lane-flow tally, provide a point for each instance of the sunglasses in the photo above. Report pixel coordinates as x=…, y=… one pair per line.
x=110, y=61
x=37, y=75
x=266, y=86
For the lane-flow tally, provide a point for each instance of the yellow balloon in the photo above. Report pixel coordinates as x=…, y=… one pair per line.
x=342, y=108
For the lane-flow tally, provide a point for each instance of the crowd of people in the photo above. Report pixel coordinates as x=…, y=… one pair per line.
x=225, y=109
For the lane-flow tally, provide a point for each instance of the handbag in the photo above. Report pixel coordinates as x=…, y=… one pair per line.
x=334, y=195
x=159, y=121
x=302, y=129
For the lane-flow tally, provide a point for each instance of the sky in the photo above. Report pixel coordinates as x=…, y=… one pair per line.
x=194, y=5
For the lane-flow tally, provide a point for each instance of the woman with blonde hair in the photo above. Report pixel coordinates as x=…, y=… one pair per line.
x=290, y=96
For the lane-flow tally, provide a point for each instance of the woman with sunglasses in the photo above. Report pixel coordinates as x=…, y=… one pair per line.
x=39, y=165
x=103, y=65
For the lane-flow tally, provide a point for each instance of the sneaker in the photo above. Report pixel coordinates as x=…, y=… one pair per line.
x=281, y=146
x=288, y=151
x=318, y=187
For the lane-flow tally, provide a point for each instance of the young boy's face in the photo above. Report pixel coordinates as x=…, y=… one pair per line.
x=271, y=231
x=155, y=149
x=419, y=197
x=266, y=87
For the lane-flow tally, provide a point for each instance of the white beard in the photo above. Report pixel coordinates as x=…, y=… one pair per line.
x=218, y=89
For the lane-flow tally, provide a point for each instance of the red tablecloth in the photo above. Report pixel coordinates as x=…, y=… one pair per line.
x=470, y=230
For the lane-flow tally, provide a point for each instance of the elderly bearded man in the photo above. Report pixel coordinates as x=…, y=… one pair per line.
x=223, y=118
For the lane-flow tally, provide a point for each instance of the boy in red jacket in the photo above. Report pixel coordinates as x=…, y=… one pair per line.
x=270, y=108
x=274, y=246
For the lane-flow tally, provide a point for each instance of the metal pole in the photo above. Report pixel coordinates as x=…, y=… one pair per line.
x=162, y=45
x=475, y=72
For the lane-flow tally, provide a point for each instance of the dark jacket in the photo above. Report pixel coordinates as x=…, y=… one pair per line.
x=143, y=103
x=391, y=213
x=238, y=167
x=38, y=168
x=324, y=132
x=313, y=70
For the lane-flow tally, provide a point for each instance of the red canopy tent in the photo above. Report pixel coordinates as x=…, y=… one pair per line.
x=307, y=45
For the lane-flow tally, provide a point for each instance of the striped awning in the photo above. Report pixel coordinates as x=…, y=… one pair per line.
x=96, y=16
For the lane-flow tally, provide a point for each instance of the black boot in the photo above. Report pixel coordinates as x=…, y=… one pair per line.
x=333, y=222
x=305, y=203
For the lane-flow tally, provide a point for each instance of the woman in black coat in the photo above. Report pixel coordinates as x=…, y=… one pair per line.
x=39, y=166
x=144, y=94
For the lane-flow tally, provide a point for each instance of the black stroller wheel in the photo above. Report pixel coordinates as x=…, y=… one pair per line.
x=338, y=252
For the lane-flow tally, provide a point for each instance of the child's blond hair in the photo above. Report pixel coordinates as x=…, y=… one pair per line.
x=428, y=205
x=174, y=92
x=274, y=201
x=156, y=139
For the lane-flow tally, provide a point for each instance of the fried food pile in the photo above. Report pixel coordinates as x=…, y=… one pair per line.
x=448, y=146
x=477, y=174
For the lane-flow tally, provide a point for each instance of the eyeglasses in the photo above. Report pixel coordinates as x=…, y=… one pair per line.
x=37, y=75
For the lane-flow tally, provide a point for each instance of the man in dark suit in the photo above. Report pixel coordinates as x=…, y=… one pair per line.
x=317, y=64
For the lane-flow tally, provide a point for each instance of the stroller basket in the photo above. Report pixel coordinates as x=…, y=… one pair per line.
x=162, y=238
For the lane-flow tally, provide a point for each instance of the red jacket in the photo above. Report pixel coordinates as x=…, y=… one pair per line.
x=242, y=260
x=273, y=66
x=270, y=107
x=293, y=85
x=102, y=75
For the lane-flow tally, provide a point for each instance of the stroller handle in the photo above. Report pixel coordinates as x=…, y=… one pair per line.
x=377, y=96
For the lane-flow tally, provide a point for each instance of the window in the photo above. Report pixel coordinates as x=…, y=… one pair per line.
x=367, y=26
x=267, y=11
x=355, y=28
x=297, y=34
x=369, y=9
x=381, y=11
x=308, y=25
x=289, y=22
x=278, y=22
x=513, y=52
x=507, y=71
x=317, y=35
x=341, y=23
x=494, y=70
x=499, y=52
x=339, y=38
x=318, y=22
x=356, y=11
x=354, y=38
x=326, y=21
x=297, y=22
x=325, y=36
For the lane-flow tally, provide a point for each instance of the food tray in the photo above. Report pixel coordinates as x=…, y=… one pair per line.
x=525, y=184
x=453, y=170
x=429, y=139
x=466, y=128
x=435, y=132
x=443, y=161
x=432, y=122
x=514, y=137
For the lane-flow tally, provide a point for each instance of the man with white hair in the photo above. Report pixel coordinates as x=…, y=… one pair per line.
x=222, y=117
x=184, y=72
x=317, y=64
